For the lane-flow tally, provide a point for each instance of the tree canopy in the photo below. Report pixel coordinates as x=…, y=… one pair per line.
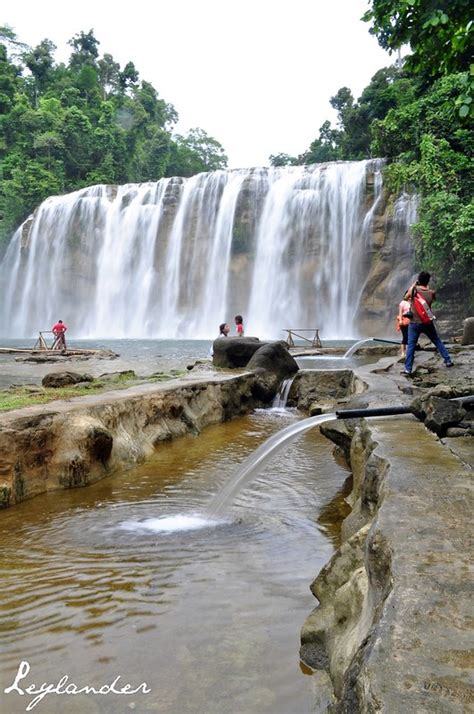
x=65, y=126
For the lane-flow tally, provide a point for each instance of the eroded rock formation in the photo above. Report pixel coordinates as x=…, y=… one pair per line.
x=70, y=444
x=389, y=630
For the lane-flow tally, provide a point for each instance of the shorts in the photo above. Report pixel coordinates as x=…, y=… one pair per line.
x=404, y=331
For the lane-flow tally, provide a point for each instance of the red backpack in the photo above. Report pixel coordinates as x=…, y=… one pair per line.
x=422, y=308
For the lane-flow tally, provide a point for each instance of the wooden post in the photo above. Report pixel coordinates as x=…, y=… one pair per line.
x=40, y=343
x=314, y=340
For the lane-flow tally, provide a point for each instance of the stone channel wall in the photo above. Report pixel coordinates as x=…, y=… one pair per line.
x=390, y=633
x=75, y=443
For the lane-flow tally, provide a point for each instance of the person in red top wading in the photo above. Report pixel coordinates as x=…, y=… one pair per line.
x=421, y=321
x=239, y=323
x=59, y=332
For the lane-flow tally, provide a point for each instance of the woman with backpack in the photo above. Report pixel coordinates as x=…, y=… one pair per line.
x=421, y=298
x=402, y=324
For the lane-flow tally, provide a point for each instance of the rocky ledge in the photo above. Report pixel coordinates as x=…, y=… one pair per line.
x=75, y=442
x=391, y=633
x=71, y=443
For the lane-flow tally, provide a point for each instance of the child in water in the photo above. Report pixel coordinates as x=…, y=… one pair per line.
x=239, y=322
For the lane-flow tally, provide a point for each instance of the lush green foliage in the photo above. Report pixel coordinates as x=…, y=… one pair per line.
x=65, y=127
x=430, y=138
x=438, y=32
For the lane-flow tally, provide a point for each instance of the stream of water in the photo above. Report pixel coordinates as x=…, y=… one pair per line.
x=125, y=577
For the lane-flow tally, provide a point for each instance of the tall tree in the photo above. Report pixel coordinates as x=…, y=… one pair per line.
x=194, y=153
x=108, y=74
x=85, y=51
x=40, y=61
x=283, y=160
x=439, y=32
x=128, y=77
x=8, y=81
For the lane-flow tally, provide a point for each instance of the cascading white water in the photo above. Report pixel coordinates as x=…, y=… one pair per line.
x=313, y=280
x=281, y=397
x=285, y=247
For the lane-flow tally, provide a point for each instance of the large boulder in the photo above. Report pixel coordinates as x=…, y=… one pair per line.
x=274, y=357
x=311, y=388
x=234, y=352
x=64, y=379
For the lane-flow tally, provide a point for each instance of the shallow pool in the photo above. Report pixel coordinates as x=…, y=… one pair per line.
x=128, y=577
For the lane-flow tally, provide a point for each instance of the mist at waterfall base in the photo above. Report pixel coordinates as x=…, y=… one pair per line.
x=173, y=259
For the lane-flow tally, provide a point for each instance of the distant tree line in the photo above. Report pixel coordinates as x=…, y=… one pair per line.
x=417, y=114
x=66, y=126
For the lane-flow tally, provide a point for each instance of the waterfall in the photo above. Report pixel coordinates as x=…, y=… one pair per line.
x=281, y=398
x=285, y=247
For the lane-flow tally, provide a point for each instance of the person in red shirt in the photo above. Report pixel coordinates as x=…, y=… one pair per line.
x=239, y=322
x=418, y=325
x=59, y=332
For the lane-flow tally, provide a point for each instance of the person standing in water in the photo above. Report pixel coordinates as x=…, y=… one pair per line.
x=421, y=297
x=239, y=323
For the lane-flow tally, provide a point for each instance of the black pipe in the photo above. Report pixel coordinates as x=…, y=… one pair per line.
x=463, y=400
x=391, y=342
x=376, y=411
x=390, y=411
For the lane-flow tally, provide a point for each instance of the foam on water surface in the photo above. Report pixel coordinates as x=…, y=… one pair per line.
x=170, y=524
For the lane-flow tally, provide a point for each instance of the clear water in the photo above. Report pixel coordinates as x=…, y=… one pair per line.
x=254, y=463
x=120, y=578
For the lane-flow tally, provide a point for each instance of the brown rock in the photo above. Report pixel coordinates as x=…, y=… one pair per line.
x=64, y=379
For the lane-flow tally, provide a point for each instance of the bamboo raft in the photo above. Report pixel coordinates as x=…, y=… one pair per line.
x=57, y=349
x=53, y=353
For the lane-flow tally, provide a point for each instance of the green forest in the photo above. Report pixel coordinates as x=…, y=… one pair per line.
x=64, y=127
x=90, y=121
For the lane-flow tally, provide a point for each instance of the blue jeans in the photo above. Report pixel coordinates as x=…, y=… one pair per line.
x=414, y=331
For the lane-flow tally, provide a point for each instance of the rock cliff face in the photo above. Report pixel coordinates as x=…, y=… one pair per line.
x=389, y=263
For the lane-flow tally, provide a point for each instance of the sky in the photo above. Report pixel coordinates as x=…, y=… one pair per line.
x=257, y=75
